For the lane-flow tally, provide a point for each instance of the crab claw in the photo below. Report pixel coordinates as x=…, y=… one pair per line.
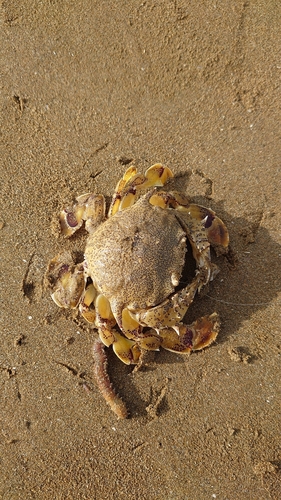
x=216, y=230
x=192, y=337
x=205, y=331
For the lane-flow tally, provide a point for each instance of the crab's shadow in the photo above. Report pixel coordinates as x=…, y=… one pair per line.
x=249, y=277
x=248, y=281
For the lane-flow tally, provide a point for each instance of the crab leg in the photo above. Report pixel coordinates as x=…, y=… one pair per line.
x=171, y=311
x=133, y=330
x=66, y=280
x=116, y=198
x=125, y=192
x=212, y=226
x=105, y=320
x=192, y=337
x=124, y=348
x=128, y=345
x=86, y=305
x=90, y=208
x=202, y=227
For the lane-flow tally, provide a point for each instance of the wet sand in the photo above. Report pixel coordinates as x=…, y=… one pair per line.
x=87, y=88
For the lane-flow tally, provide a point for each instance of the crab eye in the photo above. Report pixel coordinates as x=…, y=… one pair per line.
x=208, y=221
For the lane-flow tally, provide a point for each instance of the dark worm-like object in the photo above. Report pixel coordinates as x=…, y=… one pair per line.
x=100, y=371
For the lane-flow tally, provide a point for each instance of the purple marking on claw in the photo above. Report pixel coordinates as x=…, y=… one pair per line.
x=71, y=219
x=208, y=220
x=64, y=269
x=187, y=338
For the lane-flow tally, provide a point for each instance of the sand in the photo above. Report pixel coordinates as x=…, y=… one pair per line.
x=88, y=87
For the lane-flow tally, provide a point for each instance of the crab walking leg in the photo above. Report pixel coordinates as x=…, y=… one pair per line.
x=125, y=349
x=90, y=207
x=214, y=227
x=192, y=337
x=105, y=320
x=103, y=382
x=116, y=198
x=202, y=227
x=125, y=192
x=86, y=305
x=132, y=329
x=66, y=280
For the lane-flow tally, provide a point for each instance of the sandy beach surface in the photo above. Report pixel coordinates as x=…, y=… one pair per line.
x=88, y=88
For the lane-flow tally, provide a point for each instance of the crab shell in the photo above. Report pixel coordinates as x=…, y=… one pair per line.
x=136, y=258
x=134, y=262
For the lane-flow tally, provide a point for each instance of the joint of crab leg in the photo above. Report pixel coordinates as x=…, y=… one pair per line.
x=130, y=172
x=128, y=199
x=175, y=200
x=94, y=212
x=181, y=199
x=128, y=194
x=150, y=342
x=106, y=335
x=69, y=289
x=125, y=196
x=172, y=341
x=172, y=310
x=115, y=203
x=89, y=207
x=216, y=231
x=163, y=200
x=126, y=189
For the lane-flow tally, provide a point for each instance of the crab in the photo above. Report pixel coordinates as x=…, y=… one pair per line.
x=130, y=285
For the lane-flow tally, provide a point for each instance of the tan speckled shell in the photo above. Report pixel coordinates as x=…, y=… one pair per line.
x=133, y=257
